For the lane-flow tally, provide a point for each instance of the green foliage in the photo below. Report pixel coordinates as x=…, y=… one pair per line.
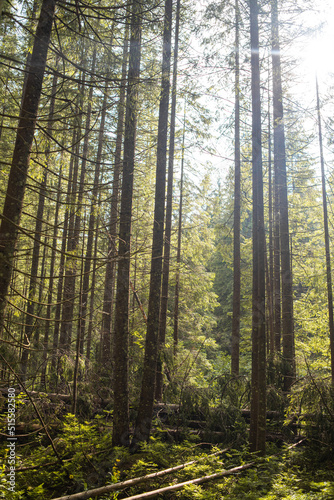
x=90, y=461
x=312, y=407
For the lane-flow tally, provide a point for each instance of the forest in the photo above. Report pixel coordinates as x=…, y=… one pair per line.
x=166, y=297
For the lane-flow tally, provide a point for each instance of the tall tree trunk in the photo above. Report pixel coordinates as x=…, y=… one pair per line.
x=91, y=299
x=51, y=279
x=178, y=252
x=92, y=223
x=169, y=208
x=145, y=410
x=109, y=282
x=280, y=161
x=68, y=271
x=73, y=241
x=236, y=215
x=121, y=346
x=89, y=248
x=327, y=249
x=271, y=313
x=258, y=389
x=60, y=332
x=57, y=316
x=77, y=354
x=277, y=266
x=37, y=239
x=10, y=222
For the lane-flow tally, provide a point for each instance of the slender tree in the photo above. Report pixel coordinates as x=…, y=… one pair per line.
x=236, y=214
x=109, y=281
x=276, y=266
x=92, y=224
x=270, y=259
x=51, y=278
x=37, y=239
x=74, y=233
x=327, y=247
x=280, y=179
x=10, y=223
x=258, y=392
x=121, y=344
x=178, y=252
x=145, y=410
x=91, y=299
x=169, y=209
x=65, y=229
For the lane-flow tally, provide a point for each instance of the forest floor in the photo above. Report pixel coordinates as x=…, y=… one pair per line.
x=89, y=461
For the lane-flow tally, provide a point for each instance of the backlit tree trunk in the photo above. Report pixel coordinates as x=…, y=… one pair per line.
x=121, y=345
x=74, y=235
x=236, y=215
x=37, y=241
x=258, y=389
x=145, y=411
x=169, y=208
x=178, y=252
x=109, y=281
x=11, y=217
x=280, y=161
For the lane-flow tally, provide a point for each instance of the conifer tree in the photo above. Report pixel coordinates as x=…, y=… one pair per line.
x=282, y=199
x=109, y=281
x=121, y=342
x=169, y=208
x=236, y=214
x=145, y=411
x=258, y=396
x=10, y=223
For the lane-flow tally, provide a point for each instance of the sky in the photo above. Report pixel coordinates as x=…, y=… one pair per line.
x=314, y=54
x=317, y=61
x=317, y=52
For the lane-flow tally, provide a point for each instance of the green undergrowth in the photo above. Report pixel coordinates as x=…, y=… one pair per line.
x=89, y=461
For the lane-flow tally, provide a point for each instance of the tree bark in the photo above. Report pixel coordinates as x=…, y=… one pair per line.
x=91, y=299
x=258, y=384
x=271, y=310
x=145, y=411
x=277, y=266
x=169, y=208
x=178, y=252
x=280, y=161
x=109, y=281
x=236, y=214
x=91, y=225
x=51, y=280
x=11, y=217
x=121, y=346
x=37, y=240
x=55, y=356
x=73, y=240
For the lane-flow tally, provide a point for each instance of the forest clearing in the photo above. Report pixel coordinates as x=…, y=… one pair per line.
x=166, y=229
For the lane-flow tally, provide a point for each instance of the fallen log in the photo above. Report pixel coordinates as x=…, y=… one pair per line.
x=200, y=480
x=84, y=495
x=53, y=396
x=270, y=415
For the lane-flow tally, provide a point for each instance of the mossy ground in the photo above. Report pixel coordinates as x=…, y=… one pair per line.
x=89, y=461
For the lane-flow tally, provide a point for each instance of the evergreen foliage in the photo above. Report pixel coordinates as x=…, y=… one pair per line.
x=84, y=157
